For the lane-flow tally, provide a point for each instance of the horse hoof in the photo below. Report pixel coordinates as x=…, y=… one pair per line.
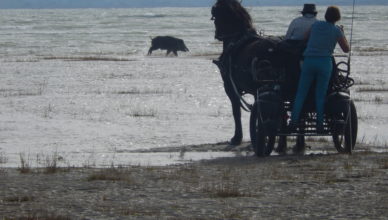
x=299, y=149
x=281, y=151
x=235, y=141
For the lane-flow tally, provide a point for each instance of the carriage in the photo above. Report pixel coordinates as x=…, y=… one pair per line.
x=261, y=66
x=270, y=113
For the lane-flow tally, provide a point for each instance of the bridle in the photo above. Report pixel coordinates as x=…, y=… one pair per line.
x=225, y=37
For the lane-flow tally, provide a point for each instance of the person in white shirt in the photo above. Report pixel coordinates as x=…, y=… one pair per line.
x=300, y=25
x=294, y=43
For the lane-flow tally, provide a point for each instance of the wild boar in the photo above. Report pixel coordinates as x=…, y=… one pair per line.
x=171, y=44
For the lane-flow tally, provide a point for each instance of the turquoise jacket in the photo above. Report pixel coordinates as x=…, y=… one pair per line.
x=323, y=39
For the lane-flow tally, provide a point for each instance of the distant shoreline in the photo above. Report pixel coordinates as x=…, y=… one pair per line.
x=156, y=7
x=116, y=4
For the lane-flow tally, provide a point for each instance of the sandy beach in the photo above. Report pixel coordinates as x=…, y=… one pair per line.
x=93, y=128
x=315, y=186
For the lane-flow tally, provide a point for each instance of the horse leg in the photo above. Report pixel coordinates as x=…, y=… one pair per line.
x=300, y=145
x=237, y=138
x=175, y=53
x=282, y=144
x=150, y=50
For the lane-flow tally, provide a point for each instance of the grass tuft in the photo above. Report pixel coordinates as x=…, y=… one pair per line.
x=348, y=166
x=140, y=211
x=111, y=174
x=39, y=216
x=17, y=93
x=19, y=199
x=333, y=180
x=87, y=58
x=25, y=166
x=51, y=164
x=3, y=158
x=142, y=113
x=224, y=190
x=378, y=99
x=371, y=89
x=47, y=111
x=136, y=91
x=383, y=164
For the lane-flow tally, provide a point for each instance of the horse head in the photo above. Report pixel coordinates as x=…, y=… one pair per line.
x=230, y=19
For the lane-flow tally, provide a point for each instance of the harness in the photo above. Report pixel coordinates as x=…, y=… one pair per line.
x=233, y=46
x=226, y=65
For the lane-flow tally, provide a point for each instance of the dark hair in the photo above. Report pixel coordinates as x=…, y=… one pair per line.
x=333, y=14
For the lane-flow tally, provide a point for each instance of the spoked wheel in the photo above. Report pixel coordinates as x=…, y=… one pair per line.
x=345, y=136
x=262, y=142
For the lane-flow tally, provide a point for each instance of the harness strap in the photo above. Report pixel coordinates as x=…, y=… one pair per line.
x=227, y=60
x=225, y=64
x=243, y=103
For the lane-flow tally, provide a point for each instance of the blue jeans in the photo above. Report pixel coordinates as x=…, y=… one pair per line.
x=318, y=69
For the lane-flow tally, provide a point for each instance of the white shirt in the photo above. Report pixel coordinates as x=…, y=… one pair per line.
x=299, y=26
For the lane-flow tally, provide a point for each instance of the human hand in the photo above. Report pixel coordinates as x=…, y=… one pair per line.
x=341, y=27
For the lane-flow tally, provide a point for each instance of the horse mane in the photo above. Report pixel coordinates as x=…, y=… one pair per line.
x=232, y=12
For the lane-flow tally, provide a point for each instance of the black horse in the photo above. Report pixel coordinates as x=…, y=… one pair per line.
x=244, y=52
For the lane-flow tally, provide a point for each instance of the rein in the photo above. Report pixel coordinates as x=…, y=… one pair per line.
x=351, y=34
x=227, y=59
x=228, y=36
x=243, y=103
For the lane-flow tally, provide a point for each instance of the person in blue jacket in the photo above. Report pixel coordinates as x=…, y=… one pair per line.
x=317, y=66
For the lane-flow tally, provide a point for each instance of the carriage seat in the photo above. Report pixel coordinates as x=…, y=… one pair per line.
x=292, y=47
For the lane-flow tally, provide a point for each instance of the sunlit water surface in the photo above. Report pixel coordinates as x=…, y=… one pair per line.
x=77, y=84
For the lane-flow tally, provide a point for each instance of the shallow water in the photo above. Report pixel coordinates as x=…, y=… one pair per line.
x=64, y=91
